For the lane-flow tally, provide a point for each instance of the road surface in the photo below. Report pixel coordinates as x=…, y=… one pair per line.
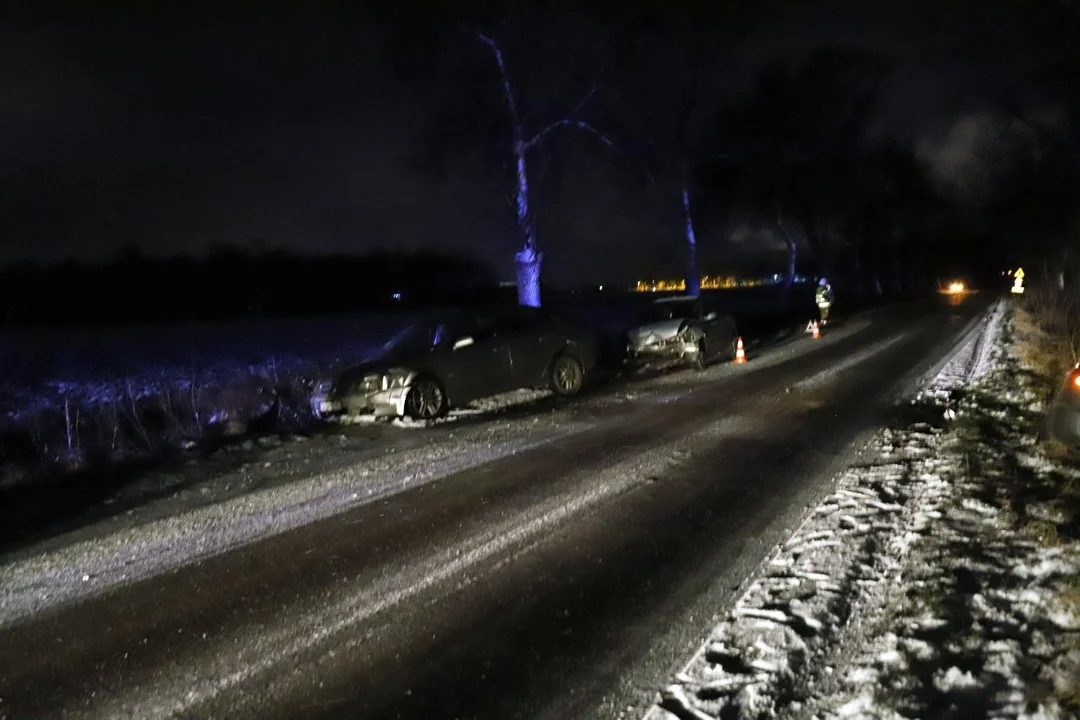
x=567, y=579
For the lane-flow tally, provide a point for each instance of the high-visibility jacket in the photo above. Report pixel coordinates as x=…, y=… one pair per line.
x=824, y=296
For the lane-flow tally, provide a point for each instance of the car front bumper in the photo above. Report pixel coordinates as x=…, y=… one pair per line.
x=664, y=350
x=389, y=403
x=383, y=403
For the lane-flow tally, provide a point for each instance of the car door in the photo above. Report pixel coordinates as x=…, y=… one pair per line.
x=712, y=322
x=477, y=362
x=526, y=333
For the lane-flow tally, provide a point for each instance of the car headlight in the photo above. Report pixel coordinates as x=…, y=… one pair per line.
x=393, y=380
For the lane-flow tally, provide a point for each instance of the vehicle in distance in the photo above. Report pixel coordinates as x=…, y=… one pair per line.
x=956, y=285
x=682, y=327
x=456, y=357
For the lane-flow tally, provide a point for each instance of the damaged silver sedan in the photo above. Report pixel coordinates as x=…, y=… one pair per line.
x=682, y=328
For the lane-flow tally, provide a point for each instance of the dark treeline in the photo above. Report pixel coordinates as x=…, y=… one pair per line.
x=233, y=282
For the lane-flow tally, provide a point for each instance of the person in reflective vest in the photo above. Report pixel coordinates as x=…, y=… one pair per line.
x=824, y=299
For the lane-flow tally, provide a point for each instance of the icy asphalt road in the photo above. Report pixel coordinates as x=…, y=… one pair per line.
x=568, y=579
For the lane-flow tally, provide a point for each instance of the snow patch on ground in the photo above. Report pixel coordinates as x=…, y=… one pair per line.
x=911, y=590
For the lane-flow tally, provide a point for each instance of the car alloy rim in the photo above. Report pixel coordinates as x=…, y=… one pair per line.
x=428, y=399
x=566, y=374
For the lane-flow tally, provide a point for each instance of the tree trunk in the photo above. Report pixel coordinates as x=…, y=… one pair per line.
x=793, y=248
x=793, y=254
x=814, y=242
x=528, y=263
x=529, y=260
x=693, y=282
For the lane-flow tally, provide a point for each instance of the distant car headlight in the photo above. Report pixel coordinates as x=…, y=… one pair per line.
x=956, y=287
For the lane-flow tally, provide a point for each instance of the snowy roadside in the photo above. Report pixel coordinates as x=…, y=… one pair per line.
x=938, y=580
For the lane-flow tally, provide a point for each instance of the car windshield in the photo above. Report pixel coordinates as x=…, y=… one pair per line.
x=659, y=312
x=414, y=339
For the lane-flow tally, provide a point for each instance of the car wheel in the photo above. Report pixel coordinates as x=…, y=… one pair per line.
x=567, y=375
x=426, y=399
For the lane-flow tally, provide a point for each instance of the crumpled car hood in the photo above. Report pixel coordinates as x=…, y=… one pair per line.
x=349, y=381
x=656, y=332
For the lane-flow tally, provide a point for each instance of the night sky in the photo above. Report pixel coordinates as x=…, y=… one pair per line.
x=175, y=133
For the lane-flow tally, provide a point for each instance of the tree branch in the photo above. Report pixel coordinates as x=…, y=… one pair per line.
x=567, y=122
x=588, y=96
x=501, y=62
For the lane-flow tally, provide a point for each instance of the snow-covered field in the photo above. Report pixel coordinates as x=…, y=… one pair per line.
x=938, y=580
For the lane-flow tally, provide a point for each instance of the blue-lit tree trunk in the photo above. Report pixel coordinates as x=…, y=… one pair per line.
x=693, y=282
x=529, y=260
x=793, y=248
x=793, y=253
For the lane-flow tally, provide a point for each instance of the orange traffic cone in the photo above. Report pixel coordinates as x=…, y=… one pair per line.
x=740, y=353
x=817, y=330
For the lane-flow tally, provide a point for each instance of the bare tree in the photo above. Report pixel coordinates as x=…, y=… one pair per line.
x=529, y=259
x=672, y=96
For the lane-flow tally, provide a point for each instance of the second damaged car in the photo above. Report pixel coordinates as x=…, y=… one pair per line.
x=682, y=328
x=457, y=357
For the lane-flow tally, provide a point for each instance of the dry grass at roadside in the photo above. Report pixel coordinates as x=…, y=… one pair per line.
x=1046, y=342
x=1046, y=326
x=138, y=427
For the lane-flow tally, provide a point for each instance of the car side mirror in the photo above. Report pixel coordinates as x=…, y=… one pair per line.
x=463, y=343
x=709, y=317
